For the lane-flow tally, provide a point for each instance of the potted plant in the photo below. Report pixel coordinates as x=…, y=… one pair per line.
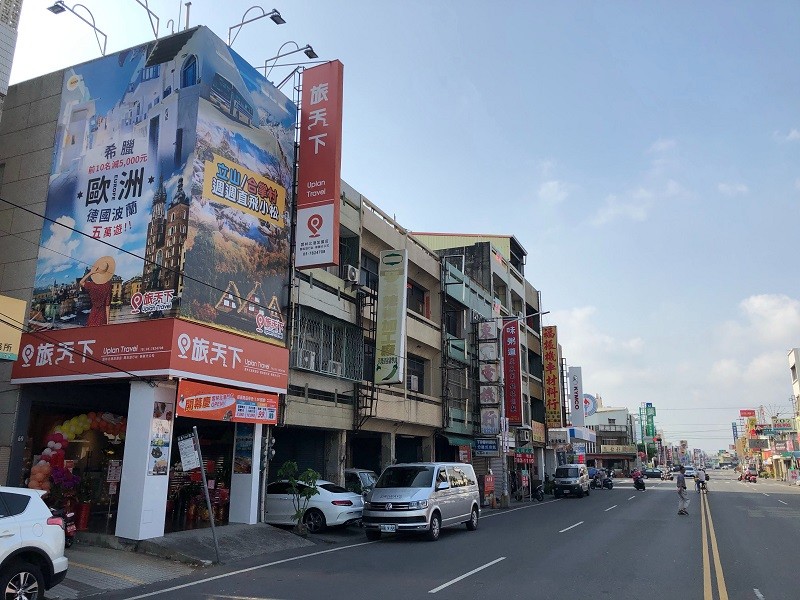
x=303, y=486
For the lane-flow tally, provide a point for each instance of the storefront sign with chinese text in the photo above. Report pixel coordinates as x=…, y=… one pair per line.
x=390, y=338
x=512, y=373
x=552, y=378
x=217, y=403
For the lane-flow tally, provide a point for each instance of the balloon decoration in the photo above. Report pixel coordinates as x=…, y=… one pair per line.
x=51, y=460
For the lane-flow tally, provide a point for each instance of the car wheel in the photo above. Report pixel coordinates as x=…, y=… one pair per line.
x=22, y=581
x=435, y=528
x=373, y=535
x=472, y=524
x=314, y=520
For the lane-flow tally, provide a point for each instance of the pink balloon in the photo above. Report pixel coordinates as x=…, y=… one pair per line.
x=51, y=444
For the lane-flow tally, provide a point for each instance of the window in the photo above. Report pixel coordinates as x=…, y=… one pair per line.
x=149, y=73
x=415, y=373
x=13, y=504
x=369, y=360
x=189, y=72
x=416, y=298
x=328, y=345
x=612, y=421
x=369, y=271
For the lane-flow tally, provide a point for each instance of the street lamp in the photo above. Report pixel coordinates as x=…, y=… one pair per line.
x=307, y=50
x=273, y=14
x=59, y=7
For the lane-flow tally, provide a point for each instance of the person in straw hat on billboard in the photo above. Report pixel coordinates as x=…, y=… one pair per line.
x=97, y=283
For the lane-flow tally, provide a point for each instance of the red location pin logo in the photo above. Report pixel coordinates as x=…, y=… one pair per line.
x=136, y=303
x=314, y=224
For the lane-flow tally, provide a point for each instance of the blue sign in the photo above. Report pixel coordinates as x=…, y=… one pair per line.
x=486, y=447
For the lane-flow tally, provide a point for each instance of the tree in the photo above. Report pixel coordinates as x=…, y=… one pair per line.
x=303, y=487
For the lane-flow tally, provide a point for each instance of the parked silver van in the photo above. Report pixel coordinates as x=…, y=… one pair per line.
x=423, y=498
x=571, y=480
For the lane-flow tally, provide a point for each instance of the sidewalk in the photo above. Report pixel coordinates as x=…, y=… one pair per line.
x=100, y=563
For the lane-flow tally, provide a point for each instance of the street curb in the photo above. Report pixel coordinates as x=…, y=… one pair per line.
x=140, y=547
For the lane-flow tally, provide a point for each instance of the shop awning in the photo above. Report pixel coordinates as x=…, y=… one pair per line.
x=459, y=440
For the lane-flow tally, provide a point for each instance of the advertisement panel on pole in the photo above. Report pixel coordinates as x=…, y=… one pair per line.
x=168, y=193
x=589, y=405
x=487, y=447
x=537, y=432
x=747, y=412
x=552, y=379
x=12, y=323
x=319, y=167
x=490, y=421
x=390, y=338
x=216, y=403
x=512, y=371
x=577, y=414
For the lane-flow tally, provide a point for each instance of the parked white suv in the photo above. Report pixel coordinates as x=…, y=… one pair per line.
x=31, y=545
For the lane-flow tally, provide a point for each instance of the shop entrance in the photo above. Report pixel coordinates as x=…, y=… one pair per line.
x=186, y=503
x=74, y=448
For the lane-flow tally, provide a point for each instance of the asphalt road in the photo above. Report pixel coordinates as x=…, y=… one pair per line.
x=738, y=542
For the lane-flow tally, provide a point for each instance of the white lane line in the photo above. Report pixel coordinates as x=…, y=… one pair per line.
x=610, y=508
x=632, y=497
x=765, y=493
x=571, y=526
x=758, y=594
x=247, y=570
x=782, y=502
x=465, y=575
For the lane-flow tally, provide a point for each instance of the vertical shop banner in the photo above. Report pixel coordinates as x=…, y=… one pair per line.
x=575, y=376
x=390, y=340
x=168, y=193
x=12, y=323
x=218, y=403
x=512, y=371
x=319, y=168
x=243, y=448
x=490, y=421
x=160, y=436
x=552, y=380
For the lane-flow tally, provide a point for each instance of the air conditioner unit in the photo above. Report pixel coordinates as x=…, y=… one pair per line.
x=352, y=274
x=308, y=359
x=413, y=383
x=524, y=435
x=335, y=368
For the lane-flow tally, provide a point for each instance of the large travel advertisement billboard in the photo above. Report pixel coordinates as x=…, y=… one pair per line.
x=169, y=194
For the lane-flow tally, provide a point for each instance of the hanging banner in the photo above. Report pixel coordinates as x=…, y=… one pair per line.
x=319, y=168
x=390, y=338
x=552, y=379
x=512, y=371
x=217, y=403
x=577, y=414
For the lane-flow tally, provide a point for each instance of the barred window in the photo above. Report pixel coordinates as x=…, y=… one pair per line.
x=327, y=345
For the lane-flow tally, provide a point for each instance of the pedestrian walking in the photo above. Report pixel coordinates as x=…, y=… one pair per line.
x=683, y=498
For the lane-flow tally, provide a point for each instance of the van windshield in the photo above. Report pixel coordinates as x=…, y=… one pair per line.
x=406, y=477
x=567, y=472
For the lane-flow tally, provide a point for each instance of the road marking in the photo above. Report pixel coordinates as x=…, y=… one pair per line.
x=758, y=594
x=782, y=502
x=632, y=497
x=247, y=570
x=510, y=510
x=571, y=526
x=708, y=594
x=721, y=587
x=765, y=493
x=610, y=508
x=127, y=578
x=465, y=575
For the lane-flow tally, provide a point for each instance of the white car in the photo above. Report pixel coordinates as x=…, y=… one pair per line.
x=31, y=545
x=332, y=506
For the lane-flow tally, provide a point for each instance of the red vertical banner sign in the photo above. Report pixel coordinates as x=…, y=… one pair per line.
x=512, y=372
x=319, y=169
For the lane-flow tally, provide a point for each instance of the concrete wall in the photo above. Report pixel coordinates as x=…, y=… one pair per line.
x=27, y=134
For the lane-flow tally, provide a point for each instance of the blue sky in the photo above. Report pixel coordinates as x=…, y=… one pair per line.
x=647, y=156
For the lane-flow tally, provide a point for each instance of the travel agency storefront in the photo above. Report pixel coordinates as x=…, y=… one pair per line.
x=125, y=445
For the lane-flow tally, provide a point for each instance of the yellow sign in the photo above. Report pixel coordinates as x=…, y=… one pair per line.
x=227, y=182
x=12, y=323
x=618, y=449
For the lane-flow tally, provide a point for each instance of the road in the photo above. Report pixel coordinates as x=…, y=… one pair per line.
x=738, y=542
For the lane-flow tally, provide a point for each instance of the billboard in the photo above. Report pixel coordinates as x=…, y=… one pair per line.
x=747, y=412
x=552, y=379
x=390, y=338
x=218, y=403
x=319, y=168
x=168, y=194
x=512, y=371
x=577, y=414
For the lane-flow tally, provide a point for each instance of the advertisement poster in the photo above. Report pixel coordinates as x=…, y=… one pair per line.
x=160, y=436
x=139, y=227
x=217, y=403
x=243, y=448
x=190, y=459
x=390, y=339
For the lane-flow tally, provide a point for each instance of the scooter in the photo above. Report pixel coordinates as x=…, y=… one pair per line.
x=638, y=483
x=608, y=483
x=69, y=525
x=538, y=493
